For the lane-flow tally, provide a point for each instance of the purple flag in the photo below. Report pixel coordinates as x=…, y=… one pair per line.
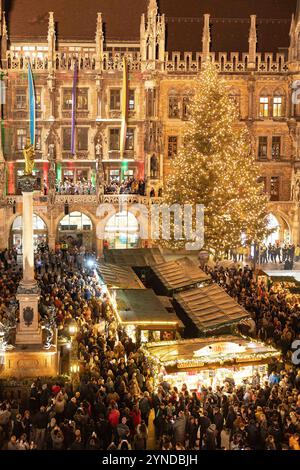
x=74, y=95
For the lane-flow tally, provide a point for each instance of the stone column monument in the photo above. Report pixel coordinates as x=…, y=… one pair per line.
x=28, y=331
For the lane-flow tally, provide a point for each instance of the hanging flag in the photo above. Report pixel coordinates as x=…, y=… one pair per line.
x=31, y=95
x=124, y=108
x=74, y=96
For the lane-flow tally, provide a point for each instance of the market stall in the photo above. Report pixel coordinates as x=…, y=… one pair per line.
x=143, y=316
x=208, y=310
x=119, y=277
x=209, y=361
x=174, y=276
x=137, y=257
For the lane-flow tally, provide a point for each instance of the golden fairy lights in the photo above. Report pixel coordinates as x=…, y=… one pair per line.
x=216, y=167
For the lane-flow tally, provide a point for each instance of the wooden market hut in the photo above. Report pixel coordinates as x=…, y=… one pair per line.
x=208, y=310
x=210, y=361
x=119, y=277
x=143, y=311
x=174, y=276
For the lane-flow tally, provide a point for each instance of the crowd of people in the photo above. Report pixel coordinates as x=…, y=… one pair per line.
x=279, y=253
x=127, y=186
x=118, y=401
x=69, y=187
x=273, y=318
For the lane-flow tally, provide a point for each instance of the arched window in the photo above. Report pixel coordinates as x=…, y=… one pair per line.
x=75, y=221
x=186, y=100
x=278, y=103
x=174, y=112
x=264, y=104
x=122, y=230
x=40, y=232
x=76, y=229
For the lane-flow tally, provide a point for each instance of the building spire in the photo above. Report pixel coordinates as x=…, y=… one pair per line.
x=51, y=41
x=206, y=39
x=252, y=43
x=152, y=8
x=99, y=41
x=298, y=11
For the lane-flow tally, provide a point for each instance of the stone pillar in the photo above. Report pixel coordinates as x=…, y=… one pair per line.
x=27, y=242
x=251, y=89
x=28, y=294
x=252, y=44
x=206, y=39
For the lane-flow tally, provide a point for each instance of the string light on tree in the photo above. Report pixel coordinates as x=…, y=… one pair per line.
x=215, y=167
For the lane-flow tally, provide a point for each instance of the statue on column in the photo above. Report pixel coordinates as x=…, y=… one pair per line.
x=51, y=151
x=29, y=154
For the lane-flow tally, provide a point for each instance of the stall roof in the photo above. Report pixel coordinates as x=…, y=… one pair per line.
x=207, y=352
x=142, y=306
x=179, y=274
x=137, y=257
x=210, y=307
x=121, y=277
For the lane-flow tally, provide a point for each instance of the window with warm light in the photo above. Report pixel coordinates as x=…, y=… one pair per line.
x=264, y=106
x=21, y=138
x=277, y=106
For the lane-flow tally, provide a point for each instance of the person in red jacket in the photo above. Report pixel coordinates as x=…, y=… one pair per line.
x=113, y=416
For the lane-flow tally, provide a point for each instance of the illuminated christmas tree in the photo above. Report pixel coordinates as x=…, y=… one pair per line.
x=215, y=167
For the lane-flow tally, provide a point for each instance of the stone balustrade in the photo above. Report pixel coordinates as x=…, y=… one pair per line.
x=175, y=62
x=89, y=199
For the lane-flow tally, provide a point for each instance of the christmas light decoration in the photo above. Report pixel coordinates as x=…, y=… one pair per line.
x=215, y=167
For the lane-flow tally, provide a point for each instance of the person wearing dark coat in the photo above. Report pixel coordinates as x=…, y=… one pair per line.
x=204, y=422
x=218, y=420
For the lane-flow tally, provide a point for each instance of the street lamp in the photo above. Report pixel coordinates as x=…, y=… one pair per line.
x=73, y=328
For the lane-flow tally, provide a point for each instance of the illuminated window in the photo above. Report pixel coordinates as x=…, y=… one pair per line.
x=277, y=106
x=67, y=99
x=21, y=138
x=131, y=100
x=75, y=221
x=38, y=99
x=264, y=106
x=122, y=230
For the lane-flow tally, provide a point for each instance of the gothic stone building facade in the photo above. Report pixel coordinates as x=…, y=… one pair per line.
x=257, y=50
